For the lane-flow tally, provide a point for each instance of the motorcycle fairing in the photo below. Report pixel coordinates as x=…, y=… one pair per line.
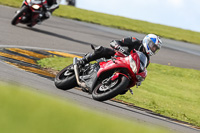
x=110, y=65
x=117, y=74
x=143, y=74
x=120, y=62
x=93, y=76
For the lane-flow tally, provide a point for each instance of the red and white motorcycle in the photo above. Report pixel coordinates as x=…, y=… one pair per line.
x=106, y=78
x=30, y=13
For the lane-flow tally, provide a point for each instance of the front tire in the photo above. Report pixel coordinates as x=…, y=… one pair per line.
x=65, y=79
x=16, y=20
x=119, y=85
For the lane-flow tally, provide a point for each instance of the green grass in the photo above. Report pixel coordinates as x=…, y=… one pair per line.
x=170, y=91
x=167, y=90
x=13, y=3
x=120, y=22
x=26, y=111
x=57, y=63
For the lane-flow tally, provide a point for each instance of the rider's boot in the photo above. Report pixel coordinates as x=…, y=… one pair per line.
x=86, y=59
x=92, y=56
x=98, y=53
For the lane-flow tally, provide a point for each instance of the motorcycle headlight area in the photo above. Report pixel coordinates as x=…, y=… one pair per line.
x=139, y=78
x=36, y=7
x=132, y=64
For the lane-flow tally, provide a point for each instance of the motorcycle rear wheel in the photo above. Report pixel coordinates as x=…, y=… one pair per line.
x=118, y=87
x=15, y=19
x=65, y=79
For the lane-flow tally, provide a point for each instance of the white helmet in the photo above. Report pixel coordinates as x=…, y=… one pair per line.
x=152, y=44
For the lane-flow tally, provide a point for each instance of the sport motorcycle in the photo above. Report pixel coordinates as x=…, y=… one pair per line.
x=31, y=12
x=106, y=78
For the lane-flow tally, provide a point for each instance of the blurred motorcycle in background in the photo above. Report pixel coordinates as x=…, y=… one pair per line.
x=31, y=12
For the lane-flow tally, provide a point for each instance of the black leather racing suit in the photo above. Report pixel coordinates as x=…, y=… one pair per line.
x=49, y=8
x=129, y=43
x=52, y=5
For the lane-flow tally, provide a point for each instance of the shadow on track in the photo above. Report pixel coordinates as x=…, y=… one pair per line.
x=58, y=35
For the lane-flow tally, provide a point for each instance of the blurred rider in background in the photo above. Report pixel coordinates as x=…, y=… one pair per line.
x=51, y=6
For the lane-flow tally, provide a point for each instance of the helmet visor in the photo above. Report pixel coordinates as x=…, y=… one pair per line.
x=153, y=47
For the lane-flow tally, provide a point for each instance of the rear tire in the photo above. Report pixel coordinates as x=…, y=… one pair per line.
x=15, y=19
x=119, y=86
x=65, y=79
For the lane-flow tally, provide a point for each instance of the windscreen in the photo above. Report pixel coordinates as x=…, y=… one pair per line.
x=143, y=60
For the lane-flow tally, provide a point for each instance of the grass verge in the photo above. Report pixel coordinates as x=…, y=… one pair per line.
x=120, y=22
x=26, y=111
x=167, y=90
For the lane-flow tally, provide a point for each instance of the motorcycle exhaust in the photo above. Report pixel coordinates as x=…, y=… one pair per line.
x=81, y=84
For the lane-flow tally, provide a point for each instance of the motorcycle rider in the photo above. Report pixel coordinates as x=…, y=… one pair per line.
x=149, y=46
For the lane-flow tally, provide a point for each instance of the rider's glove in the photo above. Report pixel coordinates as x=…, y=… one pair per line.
x=114, y=45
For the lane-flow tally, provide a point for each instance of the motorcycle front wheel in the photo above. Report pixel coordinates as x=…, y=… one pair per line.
x=65, y=79
x=15, y=19
x=104, y=92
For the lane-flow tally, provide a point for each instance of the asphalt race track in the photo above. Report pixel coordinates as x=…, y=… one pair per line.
x=71, y=36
